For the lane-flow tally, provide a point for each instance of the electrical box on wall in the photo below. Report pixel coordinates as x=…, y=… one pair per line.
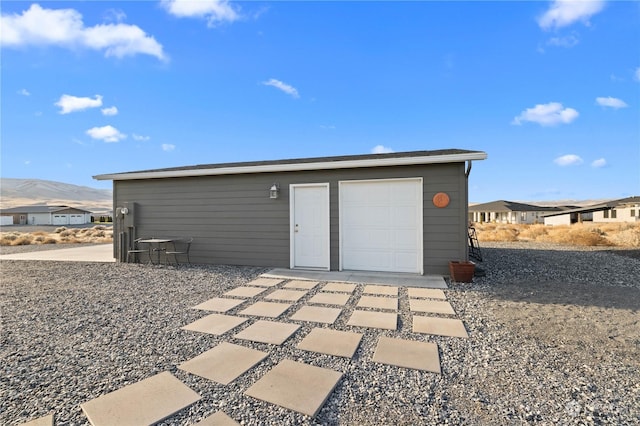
x=128, y=214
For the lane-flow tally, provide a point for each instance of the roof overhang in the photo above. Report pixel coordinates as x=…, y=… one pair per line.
x=275, y=166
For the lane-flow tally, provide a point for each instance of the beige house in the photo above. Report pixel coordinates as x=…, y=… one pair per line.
x=503, y=211
x=622, y=210
x=45, y=215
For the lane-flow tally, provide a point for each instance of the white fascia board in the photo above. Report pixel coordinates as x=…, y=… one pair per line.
x=296, y=167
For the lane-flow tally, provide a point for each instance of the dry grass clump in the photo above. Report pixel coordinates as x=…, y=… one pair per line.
x=579, y=234
x=61, y=235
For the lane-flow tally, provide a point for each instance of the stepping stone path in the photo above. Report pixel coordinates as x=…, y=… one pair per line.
x=293, y=385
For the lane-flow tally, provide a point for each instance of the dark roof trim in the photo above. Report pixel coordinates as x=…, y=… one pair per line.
x=599, y=207
x=319, y=163
x=40, y=209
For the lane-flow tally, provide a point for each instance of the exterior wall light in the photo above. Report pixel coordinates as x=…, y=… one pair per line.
x=274, y=191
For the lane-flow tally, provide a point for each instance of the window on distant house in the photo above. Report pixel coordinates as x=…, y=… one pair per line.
x=605, y=214
x=614, y=213
x=523, y=215
x=633, y=213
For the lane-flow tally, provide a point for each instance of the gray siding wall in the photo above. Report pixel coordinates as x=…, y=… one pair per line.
x=233, y=220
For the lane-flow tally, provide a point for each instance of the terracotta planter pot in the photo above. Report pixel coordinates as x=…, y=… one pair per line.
x=462, y=272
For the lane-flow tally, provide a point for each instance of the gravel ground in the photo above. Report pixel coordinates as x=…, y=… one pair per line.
x=554, y=339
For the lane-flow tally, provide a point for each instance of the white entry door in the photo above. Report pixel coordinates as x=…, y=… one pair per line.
x=381, y=225
x=309, y=213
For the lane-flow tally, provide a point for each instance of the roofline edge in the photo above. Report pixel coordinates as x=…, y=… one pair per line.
x=295, y=167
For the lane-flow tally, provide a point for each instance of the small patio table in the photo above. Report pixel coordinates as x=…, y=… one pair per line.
x=156, y=245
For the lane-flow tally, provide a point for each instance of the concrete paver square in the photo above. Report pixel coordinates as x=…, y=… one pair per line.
x=286, y=295
x=265, y=282
x=425, y=293
x=388, y=303
x=384, y=320
x=339, y=287
x=215, y=324
x=223, y=363
x=142, y=403
x=219, y=418
x=440, y=326
x=246, y=292
x=382, y=290
x=299, y=387
x=408, y=353
x=317, y=314
x=219, y=304
x=266, y=309
x=301, y=284
x=271, y=332
x=331, y=342
x=41, y=421
x=330, y=299
x=431, y=306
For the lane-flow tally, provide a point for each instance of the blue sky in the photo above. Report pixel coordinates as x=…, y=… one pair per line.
x=550, y=90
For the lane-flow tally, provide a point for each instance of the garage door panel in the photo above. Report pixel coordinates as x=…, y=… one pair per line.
x=381, y=223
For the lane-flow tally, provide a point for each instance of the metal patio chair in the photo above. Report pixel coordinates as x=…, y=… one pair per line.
x=136, y=251
x=181, y=247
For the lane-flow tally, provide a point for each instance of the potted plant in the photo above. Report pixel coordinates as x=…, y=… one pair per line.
x=462, y=271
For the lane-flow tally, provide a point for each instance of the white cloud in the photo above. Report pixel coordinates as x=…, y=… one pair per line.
x=106, y=134
x=290, y=90
x=550, y=114
x=24, y=92
x=599, y=163
x=140, y=137
x=110, y=111
x=562, y=13
x=168, y=147
x=69, y=103
x=214, y=11
x=566, y=41
x=611, y=102
x=64, y=27
x=568, y=160
x=381, y=149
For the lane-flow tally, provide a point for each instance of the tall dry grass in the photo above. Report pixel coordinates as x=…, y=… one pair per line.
x=61, y=235
x=579, y=234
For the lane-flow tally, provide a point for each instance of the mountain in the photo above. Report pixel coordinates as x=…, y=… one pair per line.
x=21, y=192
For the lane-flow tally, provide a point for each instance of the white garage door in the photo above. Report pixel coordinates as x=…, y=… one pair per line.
x=76, y=219
x=60, y=219
x=381, y=225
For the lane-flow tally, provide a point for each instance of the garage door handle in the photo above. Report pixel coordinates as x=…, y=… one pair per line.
x=296, y=230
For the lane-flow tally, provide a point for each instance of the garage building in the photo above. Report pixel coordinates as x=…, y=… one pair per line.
x=397, y=212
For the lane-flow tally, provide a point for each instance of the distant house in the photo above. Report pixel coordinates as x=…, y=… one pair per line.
x=396, y=212
x=45, y=215
x=503, y=211
x=622, y=210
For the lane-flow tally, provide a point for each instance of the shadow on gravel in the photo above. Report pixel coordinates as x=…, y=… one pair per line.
x=599, y=278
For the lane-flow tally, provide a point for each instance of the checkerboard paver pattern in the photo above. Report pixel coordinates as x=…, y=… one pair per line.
x=297, y=386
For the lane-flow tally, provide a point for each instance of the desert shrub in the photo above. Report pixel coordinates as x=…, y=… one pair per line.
x=50, y=240
x=498, y=233
x=575, y=235
x=629, y=237
x=99, y=228
x=67, y=233
x=38, y=238
x=23, y=240
x=61, y=229
x=532, y=232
